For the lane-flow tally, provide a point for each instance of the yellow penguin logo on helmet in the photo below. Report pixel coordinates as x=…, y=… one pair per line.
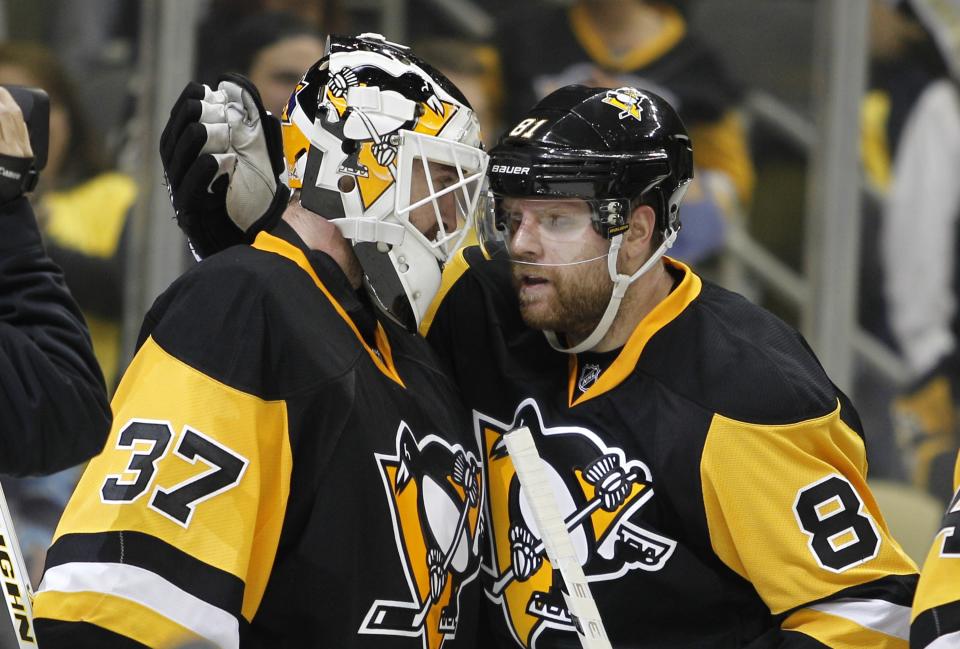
x=627, y=100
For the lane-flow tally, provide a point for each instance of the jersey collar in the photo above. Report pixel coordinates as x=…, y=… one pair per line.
x=659, y=317
x=380, y=353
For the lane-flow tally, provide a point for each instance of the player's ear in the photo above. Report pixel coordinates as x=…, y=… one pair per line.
x=642, y=222
x=636, y=247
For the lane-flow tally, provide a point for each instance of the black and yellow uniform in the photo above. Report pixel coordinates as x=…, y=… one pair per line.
x=935, y=622
x=284, y=470
x=543, y=48
x=711, y=476
x=54, y=404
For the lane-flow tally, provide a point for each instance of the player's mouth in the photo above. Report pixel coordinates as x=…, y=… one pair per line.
x=532, y=280
x=530, y=286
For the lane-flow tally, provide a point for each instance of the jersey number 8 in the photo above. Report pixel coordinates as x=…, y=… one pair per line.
x=830, y=512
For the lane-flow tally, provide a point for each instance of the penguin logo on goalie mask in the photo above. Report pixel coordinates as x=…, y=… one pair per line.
x=600, y=493
x=362, y=109
x=435, y=492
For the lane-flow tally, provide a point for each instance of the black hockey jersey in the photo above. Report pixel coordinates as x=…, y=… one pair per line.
x=711, y=477
x=284, y=471
x=935, y=621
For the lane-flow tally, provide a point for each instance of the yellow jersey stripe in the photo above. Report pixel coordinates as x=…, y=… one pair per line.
x=785, y=562
x=877, y=614
x=453, y=271
x=236, y=531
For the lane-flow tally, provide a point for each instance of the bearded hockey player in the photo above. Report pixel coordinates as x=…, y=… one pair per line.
x=288, y=466
x=711, y=476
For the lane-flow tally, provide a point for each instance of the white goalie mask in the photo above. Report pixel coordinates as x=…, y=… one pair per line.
x=389, y=150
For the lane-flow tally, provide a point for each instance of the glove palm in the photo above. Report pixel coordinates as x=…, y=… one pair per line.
x=222, y=156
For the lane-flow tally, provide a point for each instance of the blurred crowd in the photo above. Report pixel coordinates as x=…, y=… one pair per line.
x=749, y=175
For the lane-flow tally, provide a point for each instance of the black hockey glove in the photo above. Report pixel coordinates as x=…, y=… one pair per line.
x=222, y=156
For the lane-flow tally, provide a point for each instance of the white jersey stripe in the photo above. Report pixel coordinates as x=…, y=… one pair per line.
x=948, y=641
x=147, y=589
x=875, y=614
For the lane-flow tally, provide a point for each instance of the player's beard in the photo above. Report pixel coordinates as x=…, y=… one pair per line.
x=574, y=306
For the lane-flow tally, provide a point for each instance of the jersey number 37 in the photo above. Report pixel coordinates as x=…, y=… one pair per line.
x=148, y=442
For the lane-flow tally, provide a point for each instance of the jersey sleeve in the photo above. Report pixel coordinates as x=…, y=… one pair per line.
x=172, y=530
x=935, y=621
x=788, y=509
x=52, y=394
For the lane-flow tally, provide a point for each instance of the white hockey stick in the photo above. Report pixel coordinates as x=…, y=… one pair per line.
x=16, y=628
x=556, y=539
x=570, y=524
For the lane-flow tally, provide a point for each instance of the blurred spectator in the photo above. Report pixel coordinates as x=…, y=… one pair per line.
x=272, y=49
x=55, y=410
x=902, y=61
x=81, y=204
x=473, y=67
x=919, y=239
x=274, y=40
x=611, y=43
x=82, y=210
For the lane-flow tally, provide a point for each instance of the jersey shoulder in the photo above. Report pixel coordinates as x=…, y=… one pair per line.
x=244, y=313
x=740, y=361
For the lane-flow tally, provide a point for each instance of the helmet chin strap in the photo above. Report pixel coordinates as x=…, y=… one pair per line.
x=620, y=285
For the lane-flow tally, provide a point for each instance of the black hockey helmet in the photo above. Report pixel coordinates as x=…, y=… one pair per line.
x=612, y=147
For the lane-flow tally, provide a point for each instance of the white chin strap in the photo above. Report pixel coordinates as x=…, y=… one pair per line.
x=620, y=285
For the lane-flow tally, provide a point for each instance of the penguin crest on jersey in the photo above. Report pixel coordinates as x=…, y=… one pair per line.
x=599, y=490
x=436, y=494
